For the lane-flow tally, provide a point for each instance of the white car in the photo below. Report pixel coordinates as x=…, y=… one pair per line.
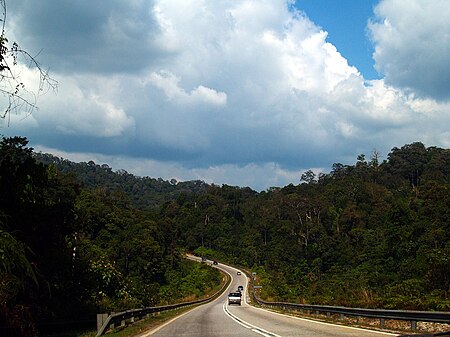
x=234, y=298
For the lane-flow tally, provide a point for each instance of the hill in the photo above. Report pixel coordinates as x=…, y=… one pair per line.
x=144, y=192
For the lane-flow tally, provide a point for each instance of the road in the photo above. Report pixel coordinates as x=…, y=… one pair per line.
x=217, y=318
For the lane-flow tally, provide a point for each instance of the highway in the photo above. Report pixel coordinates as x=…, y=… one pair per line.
x=217, y=318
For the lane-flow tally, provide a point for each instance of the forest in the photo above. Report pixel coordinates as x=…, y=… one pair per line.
x=374, y=234
x=68, y=251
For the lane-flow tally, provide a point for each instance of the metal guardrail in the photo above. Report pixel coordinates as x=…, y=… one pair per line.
x=120, y=318
x=403, y=315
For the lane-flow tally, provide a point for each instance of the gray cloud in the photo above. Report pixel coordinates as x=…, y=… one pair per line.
x=412, y=45
x=88, y=36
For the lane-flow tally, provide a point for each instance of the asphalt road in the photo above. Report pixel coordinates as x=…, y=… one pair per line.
x=217, y=318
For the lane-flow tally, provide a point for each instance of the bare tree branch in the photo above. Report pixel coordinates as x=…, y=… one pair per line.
x=19, y=99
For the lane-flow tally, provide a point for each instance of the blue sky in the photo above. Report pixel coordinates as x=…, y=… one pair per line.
x=346, y=23
x=239, y=92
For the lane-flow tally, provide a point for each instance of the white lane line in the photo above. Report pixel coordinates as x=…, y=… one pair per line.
x=324, y=323
x=156, y=329
x=247, y=325
x=311, y=320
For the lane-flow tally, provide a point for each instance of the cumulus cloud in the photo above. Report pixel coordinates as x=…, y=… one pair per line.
x=412, y=45
x=240, y=92
x=83, y=111
x=169, y=83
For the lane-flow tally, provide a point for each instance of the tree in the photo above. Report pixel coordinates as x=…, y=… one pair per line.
x=309, y=177
x=11, y=86
x=16, y=272
x=375, y=158
x=409, y=162
x=37, y=226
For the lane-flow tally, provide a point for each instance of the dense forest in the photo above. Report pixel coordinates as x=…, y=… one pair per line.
x=68, y=251
x=373, y=234
x=144, y=192
x=365, y=235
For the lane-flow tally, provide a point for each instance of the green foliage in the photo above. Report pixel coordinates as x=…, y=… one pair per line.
x=210, y=253
x=191, y=280
x=368, y=235
x=36, y=224
x=13, y=258
x=143, y=192
x=361, y=235
x=67, y=251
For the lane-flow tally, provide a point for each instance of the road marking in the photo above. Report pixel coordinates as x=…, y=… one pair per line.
x=247, y=325
x=325, y=323
x=312, y=320
x=156, y=329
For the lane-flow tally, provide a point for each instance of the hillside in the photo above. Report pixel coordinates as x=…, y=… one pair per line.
x=144, y=192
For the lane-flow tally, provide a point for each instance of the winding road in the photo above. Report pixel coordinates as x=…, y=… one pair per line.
x=217, y=318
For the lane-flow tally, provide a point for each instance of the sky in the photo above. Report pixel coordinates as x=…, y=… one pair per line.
x=238, y=92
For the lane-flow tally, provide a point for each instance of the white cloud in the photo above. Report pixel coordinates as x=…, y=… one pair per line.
x=412, y=45
x=81, y=108
x=239, y=92
x=169, y=83
x=208, y=95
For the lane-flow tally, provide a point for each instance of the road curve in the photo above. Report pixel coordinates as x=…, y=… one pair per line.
x=217, y=318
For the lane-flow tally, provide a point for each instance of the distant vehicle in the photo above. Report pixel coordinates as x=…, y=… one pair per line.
x=234, y=298
x=238, y=273
x=241, y=288
x=203, y=259
x=215, y=262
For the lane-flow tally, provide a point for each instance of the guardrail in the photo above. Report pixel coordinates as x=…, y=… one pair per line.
x=403, y=315
x=121, y=318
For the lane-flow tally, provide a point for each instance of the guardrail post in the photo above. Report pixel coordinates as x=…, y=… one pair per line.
x=101, y=318
x=381, y=322
x=328, y=314
x=413, y=325
x=341, y=317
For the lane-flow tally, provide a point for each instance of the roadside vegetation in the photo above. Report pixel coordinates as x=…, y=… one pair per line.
x=68, y=252
x=78, y=239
